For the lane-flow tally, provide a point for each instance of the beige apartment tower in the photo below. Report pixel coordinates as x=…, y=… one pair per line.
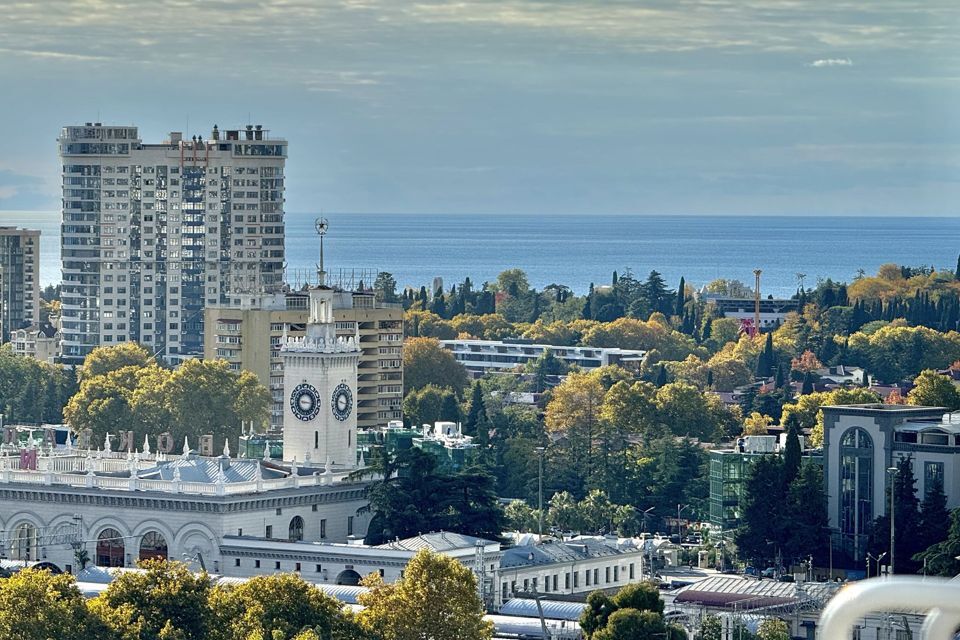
x=153, y=233
x=19, y=280
x=249, y=336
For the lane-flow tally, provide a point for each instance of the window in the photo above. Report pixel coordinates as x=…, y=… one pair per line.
x=279, y=512
x=349, y=525
x=856, y=484
x=596, y=576
x=555, y=576
x=296, y=567
x=319, y=569
x=295, y=533
x=256, y=564
x=315, y=507
x=566, y=581
x=932, y=476
x=586, y=577
x=153, y=545
x=276, y=565
x=236, y=562
x=269, y=531
x=323, y=528
x=616, y=574
x=109, y=548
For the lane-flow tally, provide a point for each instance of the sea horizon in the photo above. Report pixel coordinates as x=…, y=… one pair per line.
x=577, y=250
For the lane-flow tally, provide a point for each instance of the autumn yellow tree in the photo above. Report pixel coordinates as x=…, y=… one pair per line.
x=756, y=424
x=934, y=390
x=105, y=359
x=425, y=361
x=574, y=413
x=436, y=599
x=37, y=605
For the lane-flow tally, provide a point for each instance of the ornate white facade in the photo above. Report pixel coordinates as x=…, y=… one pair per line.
x=320, y=382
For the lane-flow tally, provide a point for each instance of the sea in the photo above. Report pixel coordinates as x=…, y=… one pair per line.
x=579, y=250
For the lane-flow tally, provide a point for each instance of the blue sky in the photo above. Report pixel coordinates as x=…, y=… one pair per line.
x=514, y=106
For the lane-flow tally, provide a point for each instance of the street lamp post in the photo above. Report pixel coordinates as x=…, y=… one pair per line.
x=891, y=471
x=644, y=519
x=679, y=533
x=540, y=451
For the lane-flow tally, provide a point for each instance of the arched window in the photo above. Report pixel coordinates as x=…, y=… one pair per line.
x=856, y=483
x=24, y=543
x=296, y=529
x=153, y=545
x=109, y=548
x=349, y=578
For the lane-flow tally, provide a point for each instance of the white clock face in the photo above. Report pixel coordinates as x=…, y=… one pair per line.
x=342, y=402
x=305, y=402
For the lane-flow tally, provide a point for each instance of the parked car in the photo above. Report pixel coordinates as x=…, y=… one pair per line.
x=769, y=572
x=752, y=571
x=786, y=578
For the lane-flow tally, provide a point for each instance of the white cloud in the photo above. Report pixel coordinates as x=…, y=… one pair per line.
x=832, y=62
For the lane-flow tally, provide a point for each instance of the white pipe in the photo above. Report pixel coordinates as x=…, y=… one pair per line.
x=855, y=601
x=940, y=624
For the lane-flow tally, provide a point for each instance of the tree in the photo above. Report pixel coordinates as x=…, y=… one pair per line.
x=477, y=415
x=385, y=287
x=564, y=513
x=792, y=452
x=941, y=559
x=436, y=596
x=37, y=605
x=761, y=510
x=574, y=413
x=631, y=624
x=103, y=360
x=414, y=496
x=807, y=514
x=281, y=605
x=756, y=424
x=773, y=629
x=934, y=390
x=165, y=598
x=425, y=361
x=597, y=512
x=520, y=516
x=807, y=387
x=711, y=628
x=644, y=596
x=934, y=517
x=596, y=613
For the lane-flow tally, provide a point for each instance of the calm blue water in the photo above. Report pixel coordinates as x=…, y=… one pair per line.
x=577, y=250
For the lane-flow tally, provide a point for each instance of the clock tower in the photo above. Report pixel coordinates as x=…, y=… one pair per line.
x=319, y=382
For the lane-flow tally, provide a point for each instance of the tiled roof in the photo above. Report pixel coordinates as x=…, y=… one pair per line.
x=200, y=469
x=437, y=541
x=550, y=552
x=725, y=591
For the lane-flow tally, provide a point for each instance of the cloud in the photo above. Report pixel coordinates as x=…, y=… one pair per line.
x=832, y=62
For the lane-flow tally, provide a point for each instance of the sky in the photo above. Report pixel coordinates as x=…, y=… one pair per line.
x=780, y=107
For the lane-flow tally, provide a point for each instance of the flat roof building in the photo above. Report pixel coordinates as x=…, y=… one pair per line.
x=247, y=332
x=19, y=280
x=481, y=356
x=153, y=233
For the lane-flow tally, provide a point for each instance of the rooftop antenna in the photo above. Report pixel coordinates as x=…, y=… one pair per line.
x=321, y=225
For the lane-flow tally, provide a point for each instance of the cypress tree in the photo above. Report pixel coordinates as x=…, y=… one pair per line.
x=709, y=378
x=792, y=452
x=662, y=376
x=956, y=274
x=707, y=329
x=477, y=411
x=807, y=387
x=767, y=359
x=681, y=296
x=934, y=517
x=615, y=278
x=865, y=380
x=587, y=313
x=778, y=380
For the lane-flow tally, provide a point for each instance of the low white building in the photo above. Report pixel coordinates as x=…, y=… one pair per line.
x=480, y=356
x=120, y=510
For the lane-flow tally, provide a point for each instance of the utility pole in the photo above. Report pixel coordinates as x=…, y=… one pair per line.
x=892, y=472
x=540, y=451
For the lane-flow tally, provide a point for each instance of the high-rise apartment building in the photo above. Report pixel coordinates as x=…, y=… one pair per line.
x=153, y=233
x=249, y=335
x=19, y=279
